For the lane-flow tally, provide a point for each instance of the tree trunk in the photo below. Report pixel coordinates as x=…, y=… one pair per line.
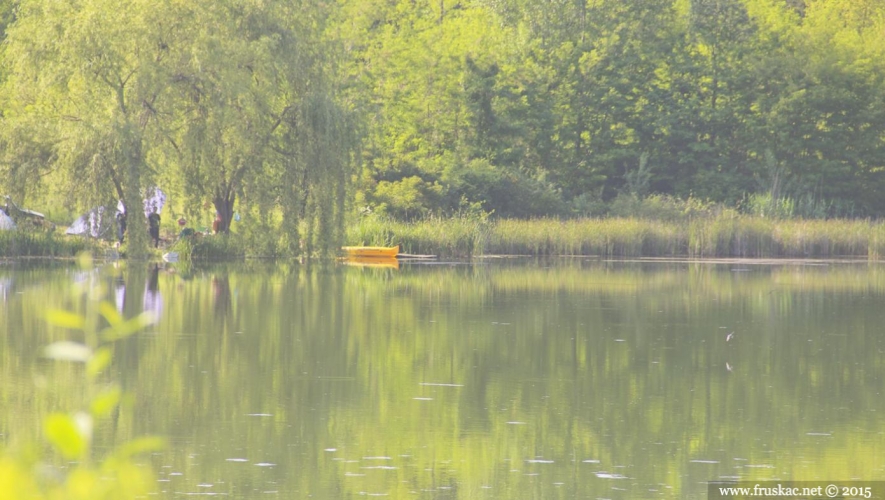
x=136, y=222
x=224, y=207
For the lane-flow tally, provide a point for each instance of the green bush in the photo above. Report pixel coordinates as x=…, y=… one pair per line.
x=663, y=207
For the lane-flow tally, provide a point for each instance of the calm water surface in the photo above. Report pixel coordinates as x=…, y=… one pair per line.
x=565, y=379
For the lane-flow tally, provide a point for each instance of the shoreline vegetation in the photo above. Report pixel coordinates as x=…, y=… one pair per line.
x=413, y=110
x=45, y=244
x=726, y=235
x=713, y=237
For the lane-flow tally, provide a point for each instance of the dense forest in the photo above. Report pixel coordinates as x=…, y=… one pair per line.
x=553, y=107
x=301, y=114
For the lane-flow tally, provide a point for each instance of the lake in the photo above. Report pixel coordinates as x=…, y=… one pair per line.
x=572, y=378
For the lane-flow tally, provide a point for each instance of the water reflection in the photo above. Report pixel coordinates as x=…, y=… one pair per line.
x=119, y=291
x=153, y=300
x=221, y=292
x=5, y=288
x=582, y=379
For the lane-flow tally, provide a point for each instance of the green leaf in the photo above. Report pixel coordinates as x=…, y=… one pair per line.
x=110, y=313
x=105, y=402
x=66, y=350
x=99, y=361
x=64, y=434
x=128, y=327
x=66, y=319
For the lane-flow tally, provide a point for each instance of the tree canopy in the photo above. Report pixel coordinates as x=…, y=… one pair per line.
x=534, y=108
x=101, y=101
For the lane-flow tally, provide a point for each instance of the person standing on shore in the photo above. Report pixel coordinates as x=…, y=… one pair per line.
x=121, y=226
x=154, y=227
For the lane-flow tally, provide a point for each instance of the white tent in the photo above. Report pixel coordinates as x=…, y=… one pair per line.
x=89, y=224
x=6, y=222
x=93, y=224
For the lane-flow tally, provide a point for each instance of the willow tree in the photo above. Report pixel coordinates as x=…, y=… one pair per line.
x=226, y=88
x=245, y=93
x=312, y=155
x=86, y=88
x=103, y=99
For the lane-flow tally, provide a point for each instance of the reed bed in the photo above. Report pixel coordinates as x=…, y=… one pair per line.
x=609, y=237
x=450, y=237
x=42, y=244
x=215, y=247
x=724, y=235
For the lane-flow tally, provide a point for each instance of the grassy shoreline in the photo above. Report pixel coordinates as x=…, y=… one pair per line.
x=719, y=236
x=48, y=244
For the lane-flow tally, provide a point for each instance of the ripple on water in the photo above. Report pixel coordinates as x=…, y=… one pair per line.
x=608, y=475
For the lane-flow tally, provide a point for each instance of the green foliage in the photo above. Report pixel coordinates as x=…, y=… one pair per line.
x=102, y=101
x=550, y=109
x=637, y=181
x=764, y=205
x=20, y=243
x=88, y=95
x=259, y=239
x=215, y=247
x=462, y=236
x=663, y=207
x=406, y=198
x=678, y=229
x=706, y=92
x=115, y=476
x=503, y=192
x=807, y=206
x=589, y=204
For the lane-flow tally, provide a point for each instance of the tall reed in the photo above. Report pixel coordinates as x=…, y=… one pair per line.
x=450, y=237
x=215, y=247
x=727, y=234
x=18, y=243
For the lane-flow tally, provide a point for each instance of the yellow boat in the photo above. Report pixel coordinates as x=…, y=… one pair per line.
x=371, y=252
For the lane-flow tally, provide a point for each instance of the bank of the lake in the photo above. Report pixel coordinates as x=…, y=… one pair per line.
x=49, y=244
x=728, y=235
